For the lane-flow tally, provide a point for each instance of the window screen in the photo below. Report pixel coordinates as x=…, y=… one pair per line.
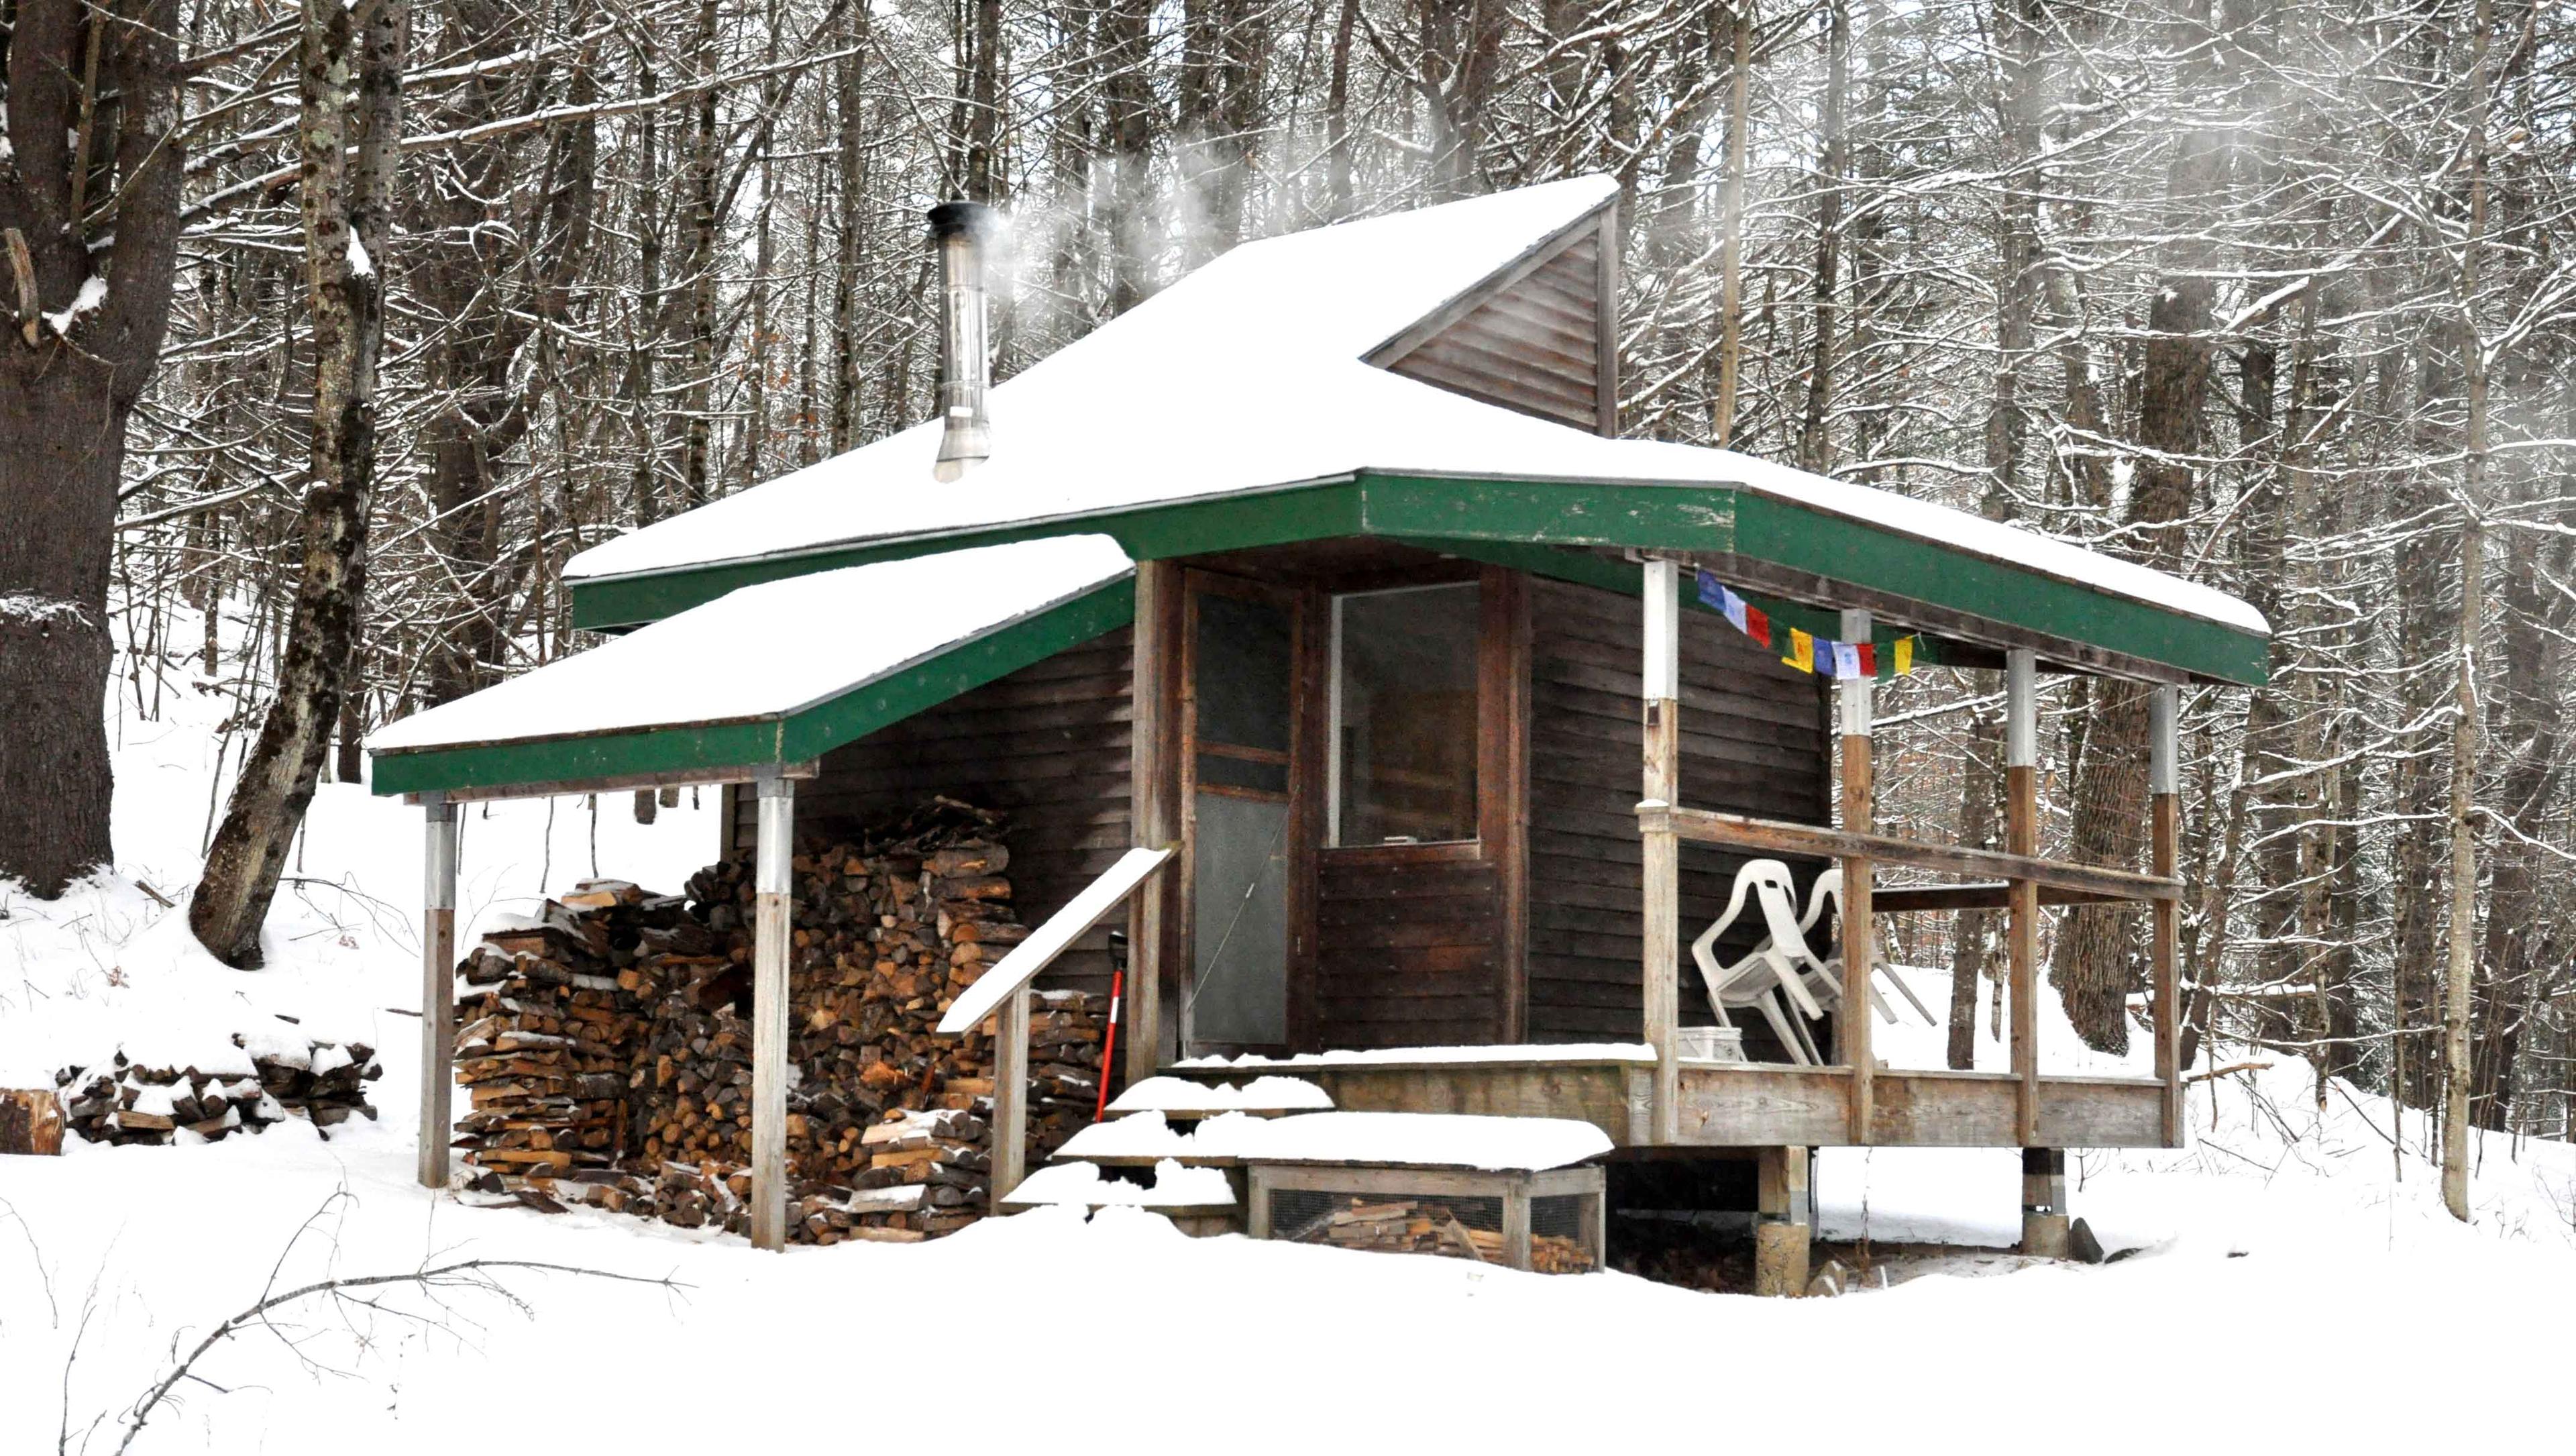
x=1404, y=716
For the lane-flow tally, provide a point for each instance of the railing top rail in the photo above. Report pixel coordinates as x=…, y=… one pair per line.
x=1780, y=836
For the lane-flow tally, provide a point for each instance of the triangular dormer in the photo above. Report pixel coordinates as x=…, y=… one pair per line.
x=1540, y=337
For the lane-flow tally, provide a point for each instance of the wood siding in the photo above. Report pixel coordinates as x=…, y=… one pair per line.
x=1409, y=952
x=1047, y=744
x=1534, y=346
x=1754, y=741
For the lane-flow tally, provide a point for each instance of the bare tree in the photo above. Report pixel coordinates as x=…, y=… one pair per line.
x=350, y=89
x=90, y=185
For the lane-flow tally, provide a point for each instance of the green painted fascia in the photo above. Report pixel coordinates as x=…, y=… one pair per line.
x=1849, y=550
x=1145, y=533
x=1515, y=523
x=795, y=738
x=561, y=760
x=1648, y=517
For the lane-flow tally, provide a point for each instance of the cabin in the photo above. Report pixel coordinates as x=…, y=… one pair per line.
x=1317, y=631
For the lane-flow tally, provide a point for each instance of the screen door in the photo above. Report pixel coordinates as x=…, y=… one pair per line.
x=1238, y=714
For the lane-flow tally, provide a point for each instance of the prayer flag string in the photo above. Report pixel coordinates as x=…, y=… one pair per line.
x=1804, y=650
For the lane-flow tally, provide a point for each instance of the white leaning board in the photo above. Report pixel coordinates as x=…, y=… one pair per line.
x=1060, y=931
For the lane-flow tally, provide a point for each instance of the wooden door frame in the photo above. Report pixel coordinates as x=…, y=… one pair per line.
x=1503, y=655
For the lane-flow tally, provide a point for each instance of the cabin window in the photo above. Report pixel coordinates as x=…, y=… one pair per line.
x=1403, y=767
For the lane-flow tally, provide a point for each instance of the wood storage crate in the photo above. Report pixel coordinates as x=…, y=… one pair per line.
x=1549, y=1221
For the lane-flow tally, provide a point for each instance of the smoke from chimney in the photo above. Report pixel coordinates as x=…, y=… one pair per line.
x=959, y=230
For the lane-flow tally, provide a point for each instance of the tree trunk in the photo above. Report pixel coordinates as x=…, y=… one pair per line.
x=1126, y=41
x=2094, y=967
x=851, y=255
x=348, y=202
x=67, y=385
x=2460, y=965
x=1730, y=337
x=1815, y=441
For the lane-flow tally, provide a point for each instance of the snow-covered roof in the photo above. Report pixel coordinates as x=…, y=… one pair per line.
x=771, y=650
x=1250, y=375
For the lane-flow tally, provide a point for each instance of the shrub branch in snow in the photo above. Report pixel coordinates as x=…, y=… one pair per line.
x=353, y=1297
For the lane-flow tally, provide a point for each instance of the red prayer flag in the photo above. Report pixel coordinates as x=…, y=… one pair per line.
x=1757, y=624
x=1868, y=659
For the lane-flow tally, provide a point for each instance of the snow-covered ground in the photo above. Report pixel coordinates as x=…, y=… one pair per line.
x=2286, y=1285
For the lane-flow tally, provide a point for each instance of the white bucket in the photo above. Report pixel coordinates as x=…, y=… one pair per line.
x=1709, y=1044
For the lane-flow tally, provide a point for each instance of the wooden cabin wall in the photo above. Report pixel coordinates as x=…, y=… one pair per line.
x=1754, y=741
x=1534, y=346
x=1048, y=744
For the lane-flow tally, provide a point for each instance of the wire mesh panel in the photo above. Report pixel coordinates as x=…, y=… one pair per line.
x=1457, y=1227
x=1561, y=1233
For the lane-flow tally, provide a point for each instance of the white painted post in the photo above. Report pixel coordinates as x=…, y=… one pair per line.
x=1661, y=850
x=2021, y=708
x=771, y=882
x=437, y=987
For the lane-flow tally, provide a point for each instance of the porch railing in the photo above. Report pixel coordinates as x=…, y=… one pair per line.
x=2017, y=879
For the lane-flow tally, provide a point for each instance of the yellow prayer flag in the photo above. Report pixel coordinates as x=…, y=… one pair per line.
x=1904, y=655
x=1802, y=651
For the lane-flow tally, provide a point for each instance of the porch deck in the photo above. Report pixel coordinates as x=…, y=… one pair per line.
x=1728, y=1104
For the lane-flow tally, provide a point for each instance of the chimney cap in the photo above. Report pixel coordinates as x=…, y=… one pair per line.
x=976, y=219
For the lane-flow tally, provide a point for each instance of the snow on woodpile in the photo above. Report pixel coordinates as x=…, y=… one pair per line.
x=146, y=1038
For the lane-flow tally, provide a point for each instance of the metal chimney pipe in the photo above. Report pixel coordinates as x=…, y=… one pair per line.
x=959, y=230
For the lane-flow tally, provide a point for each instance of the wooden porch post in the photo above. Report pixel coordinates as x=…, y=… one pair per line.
x=1662, y=851
x=2021, y=836
x=1010, y=1098
x=1153, y=810
x=437, y=988
x=770, y=881
x=1780, y=1227
x=2164, y=785
x=2045, y=1225
x=1859, y=943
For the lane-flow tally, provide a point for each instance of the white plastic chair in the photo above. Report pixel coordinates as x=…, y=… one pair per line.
x=1827, y=894
x=1779, y=968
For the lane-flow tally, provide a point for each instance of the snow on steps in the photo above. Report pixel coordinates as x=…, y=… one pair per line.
x=1179, y=1148
x=1164, y=1169
x=1261, y=1097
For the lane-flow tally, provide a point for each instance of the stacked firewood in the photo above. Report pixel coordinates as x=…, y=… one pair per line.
x=548, y=1011
x=1421, y=1226
x=124, y=1103
x=610, y=1046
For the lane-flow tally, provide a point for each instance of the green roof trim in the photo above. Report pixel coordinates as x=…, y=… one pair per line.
x=1147, y=533
x=1491, y=519
x=1849, y=550
x=773, y=741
